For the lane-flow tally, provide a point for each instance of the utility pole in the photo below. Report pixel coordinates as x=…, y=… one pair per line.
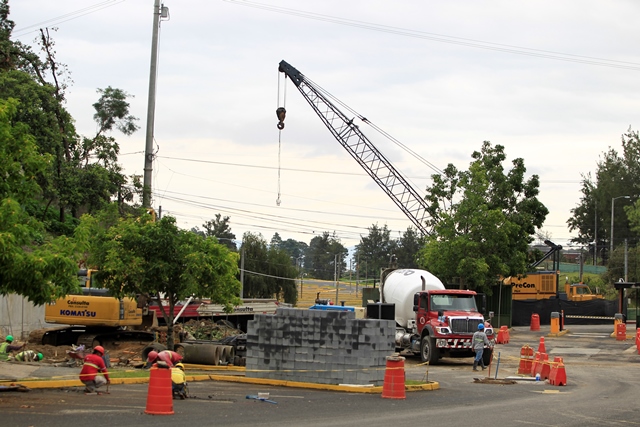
x=357, y=273
x=158, y=10
x=335, y=274
x=241, y=272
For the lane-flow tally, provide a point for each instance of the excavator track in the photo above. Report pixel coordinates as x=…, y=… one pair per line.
x=91, y=337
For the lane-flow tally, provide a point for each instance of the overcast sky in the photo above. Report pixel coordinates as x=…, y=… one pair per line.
x=555, y=83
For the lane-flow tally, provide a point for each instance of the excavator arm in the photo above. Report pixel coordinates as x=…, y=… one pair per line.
x=361, y=149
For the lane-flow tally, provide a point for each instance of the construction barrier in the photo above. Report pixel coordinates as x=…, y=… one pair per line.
x=553, y=375
x=534, y=365
x=558, y=375
x=638, y=340
x=535, y=322
x=394, y=378
x=159, y=395
x=503, y=335
x=621, y=331
x=526, y=360
x=544, y=367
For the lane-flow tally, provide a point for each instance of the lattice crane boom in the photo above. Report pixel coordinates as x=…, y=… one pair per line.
x=362, y=150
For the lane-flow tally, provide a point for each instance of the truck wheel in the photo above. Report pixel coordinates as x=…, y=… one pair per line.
x=486, y=356
x=428, y=351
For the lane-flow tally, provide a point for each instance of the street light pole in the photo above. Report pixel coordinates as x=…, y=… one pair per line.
x=299, y=263
x=335, y=274
x=613, y=200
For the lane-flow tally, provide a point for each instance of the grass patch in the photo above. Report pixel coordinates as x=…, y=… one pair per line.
x=137, y=373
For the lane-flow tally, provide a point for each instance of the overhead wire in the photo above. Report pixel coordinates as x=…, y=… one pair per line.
x=66, y=17
x=479, y=44
x=280, y=219
x=329, y=172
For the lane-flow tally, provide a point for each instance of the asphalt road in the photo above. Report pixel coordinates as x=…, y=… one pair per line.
x=603, y=384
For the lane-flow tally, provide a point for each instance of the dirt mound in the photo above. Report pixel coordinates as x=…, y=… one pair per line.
x=209, y=330
x=124, y=353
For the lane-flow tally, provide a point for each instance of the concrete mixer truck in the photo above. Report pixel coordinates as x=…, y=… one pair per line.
x=432, y=321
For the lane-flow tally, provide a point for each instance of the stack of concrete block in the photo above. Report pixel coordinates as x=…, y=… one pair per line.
x=319, y=346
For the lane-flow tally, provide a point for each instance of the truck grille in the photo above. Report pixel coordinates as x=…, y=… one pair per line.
x=465, y=325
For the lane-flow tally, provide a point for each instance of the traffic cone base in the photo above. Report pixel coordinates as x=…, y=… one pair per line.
x=159, y=395
x=394, y=379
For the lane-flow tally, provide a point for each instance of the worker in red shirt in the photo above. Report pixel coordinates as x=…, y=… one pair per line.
x=94, y=372
x=170, y=358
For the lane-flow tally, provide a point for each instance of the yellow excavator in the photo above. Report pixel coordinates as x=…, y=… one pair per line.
x=97, y=318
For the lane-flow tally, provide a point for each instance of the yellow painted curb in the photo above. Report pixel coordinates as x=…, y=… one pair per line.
x=191, y=366
x=432, y=385
x=53, y=383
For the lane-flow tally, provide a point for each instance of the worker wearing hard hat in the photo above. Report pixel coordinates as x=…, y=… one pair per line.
x=28, y=356
x=179, y=381
x=478, y=341
x=7, y=347
x=164, y=359
x=94, y=372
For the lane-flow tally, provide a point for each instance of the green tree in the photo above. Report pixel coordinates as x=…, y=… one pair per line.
x=268, y=270
x=377, y=249
x=139, y=256
x=616, y=175
x=295, y=248
x=320, y=257
x=483, y=219
x=84, y=174
x=31, y=264
x=219, y=228
x=408, y=247
x=276, y=240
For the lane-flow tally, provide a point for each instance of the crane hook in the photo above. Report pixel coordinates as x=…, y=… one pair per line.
x=281, y=113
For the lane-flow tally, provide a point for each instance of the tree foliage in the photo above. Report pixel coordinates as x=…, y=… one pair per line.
x=617, y=174
x=268, y=270
x=139, y=256
x=325, y=257
x=31, y=264
x=220, y=229
x=376, y=250
x=483, y=218
x=84, y=174
x=408, y=248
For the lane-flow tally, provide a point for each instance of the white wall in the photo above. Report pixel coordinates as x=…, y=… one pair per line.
x=18, y=316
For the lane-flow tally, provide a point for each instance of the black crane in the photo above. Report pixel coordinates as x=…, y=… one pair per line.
x=360, y=148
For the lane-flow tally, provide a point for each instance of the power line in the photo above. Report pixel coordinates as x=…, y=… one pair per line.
x=499, y=47
x=67, y=17
x=247, y=165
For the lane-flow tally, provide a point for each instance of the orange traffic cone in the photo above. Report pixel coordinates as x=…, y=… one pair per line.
x=393, y=386
x=159, y=396
x=541, y=347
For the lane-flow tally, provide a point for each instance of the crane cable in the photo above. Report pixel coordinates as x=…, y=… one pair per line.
x=280, y=113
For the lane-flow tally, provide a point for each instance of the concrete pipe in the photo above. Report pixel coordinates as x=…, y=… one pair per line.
x=228, y=354
x=202, y=354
